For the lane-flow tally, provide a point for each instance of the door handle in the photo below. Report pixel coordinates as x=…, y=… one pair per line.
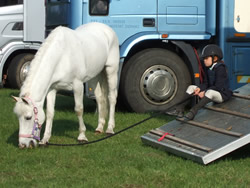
x=148, y=22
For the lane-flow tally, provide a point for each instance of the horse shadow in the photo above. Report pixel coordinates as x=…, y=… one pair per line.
x=63, y=127
x=60, y=128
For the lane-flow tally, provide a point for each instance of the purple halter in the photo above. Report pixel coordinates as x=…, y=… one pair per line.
x=36, y=128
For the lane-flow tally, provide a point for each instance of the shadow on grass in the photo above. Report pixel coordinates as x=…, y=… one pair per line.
x=67, y=103
x=238, y=154
x=13, y=139
x=61, y=128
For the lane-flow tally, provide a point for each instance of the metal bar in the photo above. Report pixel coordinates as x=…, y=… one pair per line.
x=181, y=141
x=209, y=127
x=228, y=111
x=241, y=96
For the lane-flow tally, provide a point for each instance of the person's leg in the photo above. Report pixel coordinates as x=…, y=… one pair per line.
x=210, y=95
x=215, y=96
x=178, y=110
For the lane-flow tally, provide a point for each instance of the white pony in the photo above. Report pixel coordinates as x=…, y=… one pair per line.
x=66, y=60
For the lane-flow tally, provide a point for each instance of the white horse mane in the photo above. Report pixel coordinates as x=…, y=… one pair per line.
x=54, y=37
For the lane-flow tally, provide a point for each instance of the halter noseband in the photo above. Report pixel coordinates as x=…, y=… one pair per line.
x=36, y=128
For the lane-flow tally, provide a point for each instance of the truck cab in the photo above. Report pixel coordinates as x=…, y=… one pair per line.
x=157, y=40
x=160, y=42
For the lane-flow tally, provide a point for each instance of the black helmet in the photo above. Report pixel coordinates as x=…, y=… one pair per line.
x=212, y=50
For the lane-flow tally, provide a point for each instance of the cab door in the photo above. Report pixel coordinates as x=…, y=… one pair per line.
x=127, y=17
x=186, y=17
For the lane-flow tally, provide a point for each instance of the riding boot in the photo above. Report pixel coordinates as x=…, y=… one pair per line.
x=193, y=111
x=178, y=109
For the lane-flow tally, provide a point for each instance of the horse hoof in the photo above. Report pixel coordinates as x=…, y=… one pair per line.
x=110, y=134
x=22, y=146
x=43, y=144
x=82, y=141
x=98, y=132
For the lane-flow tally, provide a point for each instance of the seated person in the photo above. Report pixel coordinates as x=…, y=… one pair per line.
x=216, y=85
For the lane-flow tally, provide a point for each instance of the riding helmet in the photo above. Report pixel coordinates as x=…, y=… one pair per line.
x=212, y=50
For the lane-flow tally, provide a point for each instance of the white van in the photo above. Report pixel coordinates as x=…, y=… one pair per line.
x=24, y=24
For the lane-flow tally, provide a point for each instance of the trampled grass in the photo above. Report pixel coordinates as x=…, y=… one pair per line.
x=121, y=161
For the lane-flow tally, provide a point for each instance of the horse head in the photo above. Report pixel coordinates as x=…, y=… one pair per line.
x=31, y=118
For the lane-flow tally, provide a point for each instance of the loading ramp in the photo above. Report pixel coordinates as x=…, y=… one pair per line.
x=216, y=130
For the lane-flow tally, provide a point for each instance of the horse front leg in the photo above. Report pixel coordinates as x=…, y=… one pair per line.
x=51, y=98
x=78, y=97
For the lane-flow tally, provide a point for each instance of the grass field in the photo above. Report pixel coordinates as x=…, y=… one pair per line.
x=122, y=161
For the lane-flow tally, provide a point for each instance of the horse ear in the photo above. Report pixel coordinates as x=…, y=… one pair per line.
x=25, y=100
x=17, y=99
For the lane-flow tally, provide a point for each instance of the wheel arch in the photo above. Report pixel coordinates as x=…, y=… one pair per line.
x=183, y=49
x=13, y=49
x=11, y=55
x=14, y=54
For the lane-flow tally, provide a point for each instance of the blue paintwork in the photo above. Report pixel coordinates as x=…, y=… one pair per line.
x=180, y=19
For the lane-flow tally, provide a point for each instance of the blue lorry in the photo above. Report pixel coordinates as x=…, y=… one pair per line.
x=160, y=40
x=160, y=43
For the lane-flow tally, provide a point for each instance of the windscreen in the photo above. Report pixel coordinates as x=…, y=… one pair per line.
x=4, y=3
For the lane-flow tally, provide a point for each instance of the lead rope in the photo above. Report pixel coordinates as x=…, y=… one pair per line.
x=125, y=129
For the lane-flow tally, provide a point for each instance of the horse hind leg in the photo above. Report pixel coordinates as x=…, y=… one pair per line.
x=112, y=80
x=78, y=97
x=101, y=99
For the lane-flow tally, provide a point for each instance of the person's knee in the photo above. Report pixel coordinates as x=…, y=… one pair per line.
x=214, y=96
x=209, y=94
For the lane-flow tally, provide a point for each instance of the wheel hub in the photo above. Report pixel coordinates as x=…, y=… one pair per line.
x=24, y=71
x=158, y=84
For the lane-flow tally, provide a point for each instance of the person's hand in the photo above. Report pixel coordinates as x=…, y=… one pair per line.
x=197, y=91
x=201, y=94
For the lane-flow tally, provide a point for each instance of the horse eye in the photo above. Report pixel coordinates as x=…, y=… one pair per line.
x=28, y=118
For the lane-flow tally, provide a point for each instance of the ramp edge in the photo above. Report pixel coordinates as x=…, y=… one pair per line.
x=226, y=149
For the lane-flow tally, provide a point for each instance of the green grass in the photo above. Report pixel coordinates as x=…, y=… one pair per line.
x=121, y=161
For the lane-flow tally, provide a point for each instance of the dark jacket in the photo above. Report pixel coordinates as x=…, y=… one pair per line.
x=217, y=79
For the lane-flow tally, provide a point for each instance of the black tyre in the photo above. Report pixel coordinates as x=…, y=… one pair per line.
x=18, y=69
x=153, y=80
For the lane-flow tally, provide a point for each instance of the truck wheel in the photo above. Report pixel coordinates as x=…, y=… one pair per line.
x=18, y=69
x=153, y=80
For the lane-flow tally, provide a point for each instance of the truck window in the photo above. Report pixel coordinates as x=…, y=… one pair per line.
x=4, y=3
x=99, y=7
x=241, y=16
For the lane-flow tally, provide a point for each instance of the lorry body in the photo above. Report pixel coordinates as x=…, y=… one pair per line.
x=160, y=42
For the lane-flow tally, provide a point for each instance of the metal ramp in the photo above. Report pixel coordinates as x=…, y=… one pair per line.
x=216, y=130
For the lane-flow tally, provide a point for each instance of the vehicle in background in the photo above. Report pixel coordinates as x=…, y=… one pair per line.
x=24, y=26
x=159, y=42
